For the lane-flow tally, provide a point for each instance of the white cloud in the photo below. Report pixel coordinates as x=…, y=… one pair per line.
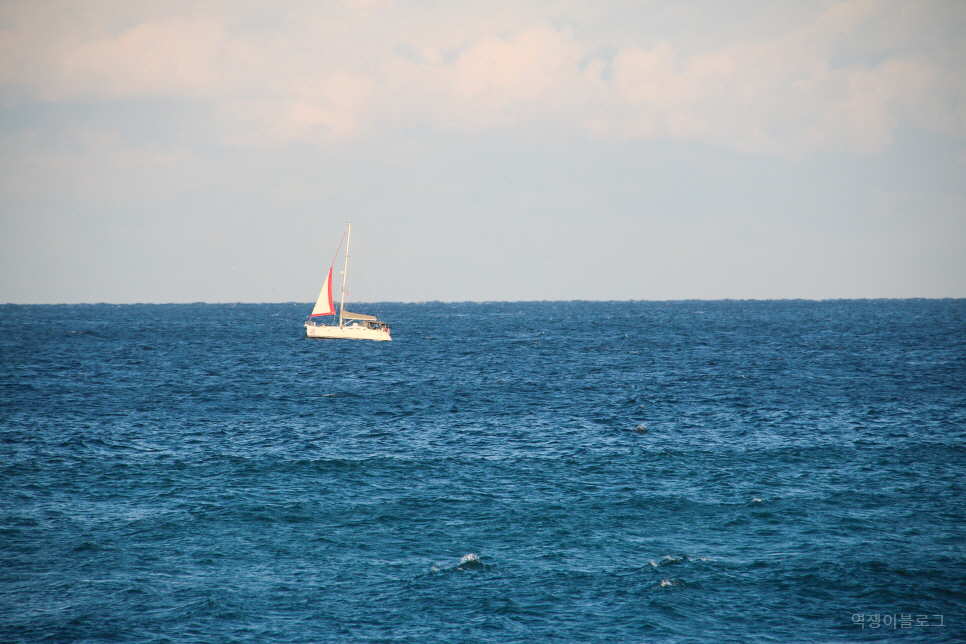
x=312, y=110
x=847, y=76
x=176, y=58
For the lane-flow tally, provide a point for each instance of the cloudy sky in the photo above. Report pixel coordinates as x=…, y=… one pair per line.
x=213, y=151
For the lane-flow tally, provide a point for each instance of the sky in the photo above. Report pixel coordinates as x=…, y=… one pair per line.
x=213, y=151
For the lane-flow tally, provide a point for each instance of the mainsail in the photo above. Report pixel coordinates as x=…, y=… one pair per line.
x=324, y=305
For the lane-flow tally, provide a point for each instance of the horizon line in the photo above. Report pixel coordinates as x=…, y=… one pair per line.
x=668, y=300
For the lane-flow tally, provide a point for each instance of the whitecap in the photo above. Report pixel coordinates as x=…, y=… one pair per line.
x=668, y=559
x=471, y=562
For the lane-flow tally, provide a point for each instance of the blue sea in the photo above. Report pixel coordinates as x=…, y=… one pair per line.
x=685, y=471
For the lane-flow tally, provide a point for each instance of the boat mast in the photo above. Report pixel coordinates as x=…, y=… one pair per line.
x=345, y=270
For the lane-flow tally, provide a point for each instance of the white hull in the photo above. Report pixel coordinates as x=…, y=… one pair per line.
x=347, y=332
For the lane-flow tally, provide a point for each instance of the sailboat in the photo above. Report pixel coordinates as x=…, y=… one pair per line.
x=351, y=326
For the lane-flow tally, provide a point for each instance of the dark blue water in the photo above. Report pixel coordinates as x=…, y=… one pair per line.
x=503, y=472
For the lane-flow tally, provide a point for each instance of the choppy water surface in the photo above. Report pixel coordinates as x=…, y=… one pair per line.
x=501, y=472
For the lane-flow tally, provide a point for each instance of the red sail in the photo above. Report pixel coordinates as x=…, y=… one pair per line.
x=324, y=305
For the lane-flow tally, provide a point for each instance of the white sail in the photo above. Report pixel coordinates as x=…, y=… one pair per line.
x=325, y=306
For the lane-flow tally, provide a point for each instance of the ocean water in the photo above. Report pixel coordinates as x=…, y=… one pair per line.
x=726, y=471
